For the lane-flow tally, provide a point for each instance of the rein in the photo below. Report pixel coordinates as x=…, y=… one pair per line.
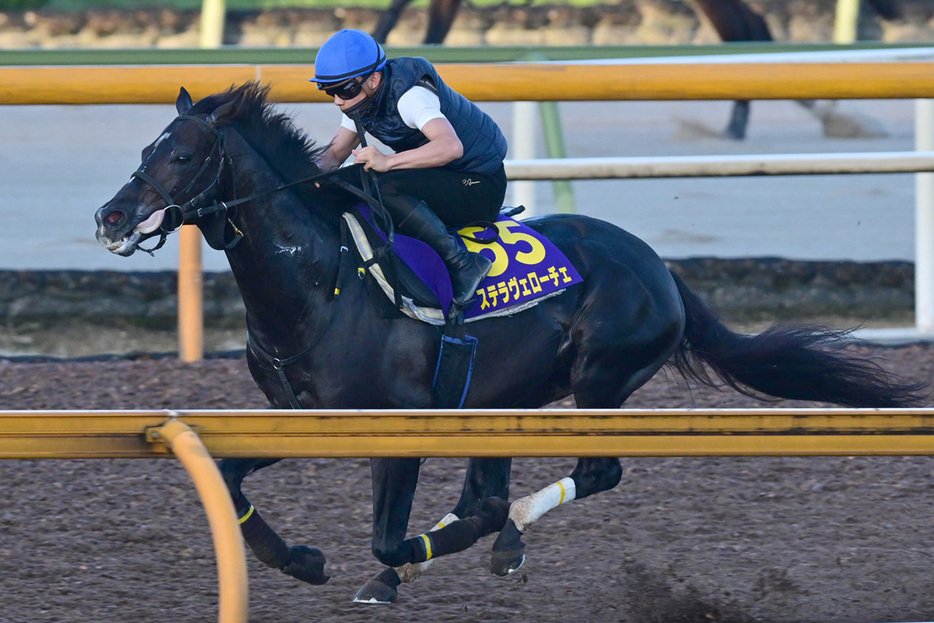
x=177, y=214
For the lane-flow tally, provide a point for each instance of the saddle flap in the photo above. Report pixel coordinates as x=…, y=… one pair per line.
x=431, y=286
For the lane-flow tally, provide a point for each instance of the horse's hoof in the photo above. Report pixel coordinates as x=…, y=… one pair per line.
x=306, y=564
x=506, y=563
x=508, y=551
x=379, y=590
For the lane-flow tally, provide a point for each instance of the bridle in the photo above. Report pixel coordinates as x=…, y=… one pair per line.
x=175, y=214
x=197, y=207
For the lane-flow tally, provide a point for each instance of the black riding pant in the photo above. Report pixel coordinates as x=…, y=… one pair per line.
x=457, y=198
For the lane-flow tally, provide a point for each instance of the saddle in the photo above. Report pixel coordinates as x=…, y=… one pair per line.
x=410, y=273
x=527, y=268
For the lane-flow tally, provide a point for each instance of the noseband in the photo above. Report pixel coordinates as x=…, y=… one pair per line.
x=177, y=214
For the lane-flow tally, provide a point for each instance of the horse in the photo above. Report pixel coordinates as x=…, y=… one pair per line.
x=247, y=177
x=733, y=20
x=441, y=15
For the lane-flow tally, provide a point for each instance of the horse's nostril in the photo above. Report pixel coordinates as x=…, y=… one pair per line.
x=115, y=217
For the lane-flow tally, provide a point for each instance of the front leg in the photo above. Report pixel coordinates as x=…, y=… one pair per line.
x=739, y=120
x=299, y=561
x=484, y=509
x=485, y=478
x=394, y=482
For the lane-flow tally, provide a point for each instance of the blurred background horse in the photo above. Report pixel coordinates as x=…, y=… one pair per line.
x=733, y=20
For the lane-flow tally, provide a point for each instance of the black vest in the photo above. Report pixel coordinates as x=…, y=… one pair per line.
x=484, y=143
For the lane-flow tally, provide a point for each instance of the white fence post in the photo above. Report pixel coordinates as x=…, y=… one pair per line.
x=524, y=115
x=213, y=17
x=924, y=221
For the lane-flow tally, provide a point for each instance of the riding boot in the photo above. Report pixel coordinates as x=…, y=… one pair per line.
x=467, y=269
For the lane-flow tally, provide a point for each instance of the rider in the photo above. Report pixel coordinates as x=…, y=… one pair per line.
x=447, y=169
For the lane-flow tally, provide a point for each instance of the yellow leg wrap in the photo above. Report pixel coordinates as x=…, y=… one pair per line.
x=427, y=541
x=249, y=514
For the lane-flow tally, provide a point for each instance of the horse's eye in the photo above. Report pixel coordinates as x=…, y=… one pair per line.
x=183, y=159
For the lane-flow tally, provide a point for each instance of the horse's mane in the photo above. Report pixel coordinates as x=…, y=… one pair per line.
x=271, y=133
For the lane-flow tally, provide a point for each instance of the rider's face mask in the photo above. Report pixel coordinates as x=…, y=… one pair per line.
x=365, y=105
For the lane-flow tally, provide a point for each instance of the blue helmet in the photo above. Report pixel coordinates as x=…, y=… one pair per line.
x=347, y=54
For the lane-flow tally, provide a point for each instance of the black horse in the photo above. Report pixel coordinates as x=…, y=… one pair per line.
x=309, y=347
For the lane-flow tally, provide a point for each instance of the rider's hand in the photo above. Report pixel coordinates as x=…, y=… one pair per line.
x=372, y=159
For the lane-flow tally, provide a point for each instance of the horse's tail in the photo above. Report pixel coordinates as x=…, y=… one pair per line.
x=807, y=363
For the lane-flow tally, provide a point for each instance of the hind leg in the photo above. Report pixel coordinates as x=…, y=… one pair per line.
x=299, y=561
x=611, y=360
x=388, y=20
x=591, y=475
x=441, y=16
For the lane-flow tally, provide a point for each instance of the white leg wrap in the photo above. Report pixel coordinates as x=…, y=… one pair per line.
x=526, y=511
x=410, y=572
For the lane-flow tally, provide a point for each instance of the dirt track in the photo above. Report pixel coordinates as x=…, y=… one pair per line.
x=680, y=540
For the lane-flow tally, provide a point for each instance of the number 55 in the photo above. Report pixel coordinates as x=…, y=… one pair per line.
x=534, y=255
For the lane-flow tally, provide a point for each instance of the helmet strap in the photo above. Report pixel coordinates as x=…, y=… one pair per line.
x=366, y=105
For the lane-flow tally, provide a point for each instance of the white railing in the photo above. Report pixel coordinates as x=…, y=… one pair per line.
x=920, y=162
x=719, y=166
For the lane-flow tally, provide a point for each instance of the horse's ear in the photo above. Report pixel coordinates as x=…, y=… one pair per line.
x=183, y=103
x=222, y=112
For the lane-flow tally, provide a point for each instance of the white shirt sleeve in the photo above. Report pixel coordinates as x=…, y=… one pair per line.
x=418, y=106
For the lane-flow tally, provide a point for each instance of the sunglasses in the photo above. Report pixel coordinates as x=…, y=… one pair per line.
x=346, y=90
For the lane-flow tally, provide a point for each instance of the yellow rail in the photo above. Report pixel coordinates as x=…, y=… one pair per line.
x=489, y=82
x=233, y=603
x=299, y=433
x=194, y=436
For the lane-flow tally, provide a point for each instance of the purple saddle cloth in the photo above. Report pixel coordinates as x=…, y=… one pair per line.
x=527, y=267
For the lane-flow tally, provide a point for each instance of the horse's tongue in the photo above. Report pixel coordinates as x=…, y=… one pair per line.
x=152, y=223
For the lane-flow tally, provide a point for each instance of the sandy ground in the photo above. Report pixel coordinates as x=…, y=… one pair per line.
x=680, y=540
